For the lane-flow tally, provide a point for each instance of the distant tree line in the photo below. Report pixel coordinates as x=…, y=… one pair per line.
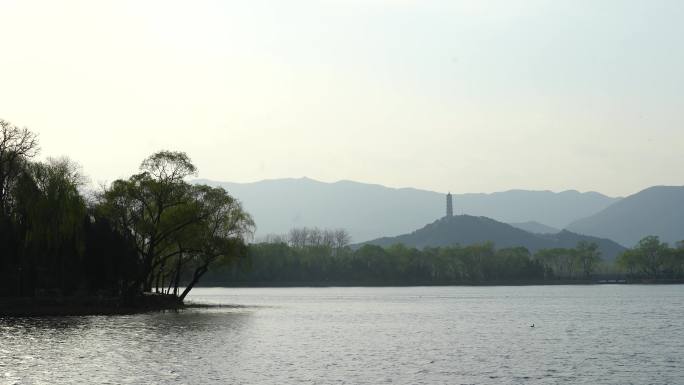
x=653, y=259
x=579, y=262
x=151, y=232
x=288, y=260
x=312, y=237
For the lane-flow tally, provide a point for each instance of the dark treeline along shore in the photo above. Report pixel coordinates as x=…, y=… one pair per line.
x=64, y=250
x=323, y=257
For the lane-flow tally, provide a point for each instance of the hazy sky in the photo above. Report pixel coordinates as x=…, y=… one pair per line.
x=467, y=96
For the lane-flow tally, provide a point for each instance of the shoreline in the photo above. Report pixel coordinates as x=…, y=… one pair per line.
x=92, y=306
x=220, y=284
x=86, y=305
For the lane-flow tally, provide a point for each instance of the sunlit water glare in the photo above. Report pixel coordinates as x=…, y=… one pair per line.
x=418, y=335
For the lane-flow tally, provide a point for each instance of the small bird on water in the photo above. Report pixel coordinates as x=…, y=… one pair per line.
x=532, y=325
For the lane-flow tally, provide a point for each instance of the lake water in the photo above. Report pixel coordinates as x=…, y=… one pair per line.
x=420, y=335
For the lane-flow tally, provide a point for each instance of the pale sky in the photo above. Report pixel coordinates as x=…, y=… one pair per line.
x=466, y=96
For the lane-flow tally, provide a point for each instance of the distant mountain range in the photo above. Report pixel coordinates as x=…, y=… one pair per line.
x=656, y=210
x=369, y=211
x=467, y=230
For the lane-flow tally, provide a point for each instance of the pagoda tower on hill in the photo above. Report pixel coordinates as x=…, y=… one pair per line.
x=450, y=206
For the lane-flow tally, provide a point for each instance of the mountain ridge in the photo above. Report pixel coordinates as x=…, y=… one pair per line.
x=656, y=210
x=369, y=211
x=535, y=227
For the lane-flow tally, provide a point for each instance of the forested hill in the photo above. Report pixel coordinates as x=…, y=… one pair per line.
x=656, y=210
x=369, y=211
x=467, y=230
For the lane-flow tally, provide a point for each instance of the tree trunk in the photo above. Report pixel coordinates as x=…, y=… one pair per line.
x=178, y=274
x=199, y=272
x=147, y=276
x=161, y=276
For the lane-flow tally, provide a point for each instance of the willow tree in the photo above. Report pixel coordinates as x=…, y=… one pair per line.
x=49, y=213
x=172, y=222
x=218, y=236
x=17, y=146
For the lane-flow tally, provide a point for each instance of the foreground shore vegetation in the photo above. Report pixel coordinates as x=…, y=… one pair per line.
x=150, y=233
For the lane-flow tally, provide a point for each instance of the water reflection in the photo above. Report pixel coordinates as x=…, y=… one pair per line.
x=147, y=348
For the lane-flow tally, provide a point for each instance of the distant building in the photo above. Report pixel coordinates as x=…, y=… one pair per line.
x=450, y=206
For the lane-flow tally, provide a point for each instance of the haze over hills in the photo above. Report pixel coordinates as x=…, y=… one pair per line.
x=657, y=210
x=535, y=227
x=467, y=230
x=370, y=211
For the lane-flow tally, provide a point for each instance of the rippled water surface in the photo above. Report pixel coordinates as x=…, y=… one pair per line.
x=425, y=335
